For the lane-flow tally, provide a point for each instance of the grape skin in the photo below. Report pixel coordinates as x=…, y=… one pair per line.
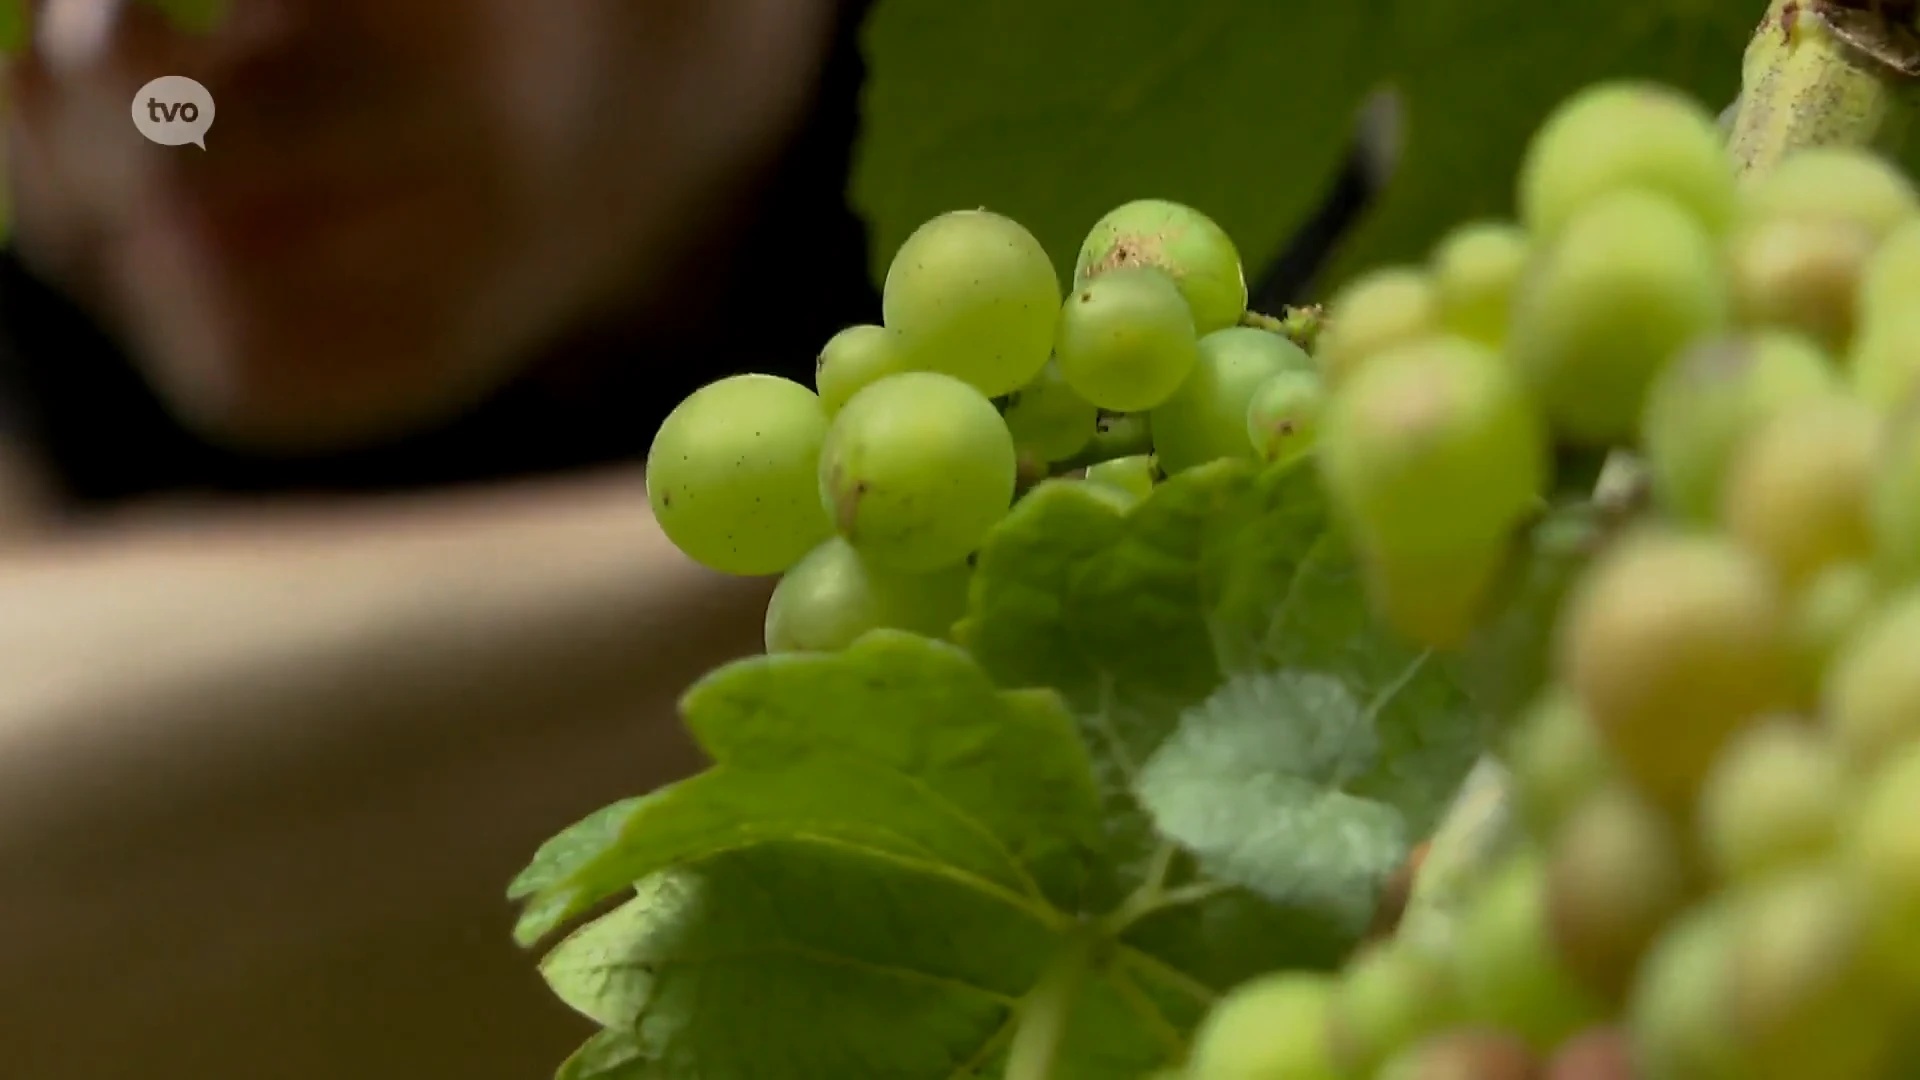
x=1884, y=361
x=854, y=358
x=1184, y=243
x=1506, y=965
x=1125, y=340
x=1880, y=848
x=1702, y=408
x=832, y=596
x=1798, y=491
x=1680, y=1014
x=1617, y=874
x=730, y=475
x=1629, y=283
x=1800, y=274
x=1619, y=135
x=1047, y=417
x=1871, y=699
x=1840, y=184
x=1893, y=504
x=1374, y=312
x=972, y=294
x=1771, y=801
x=1892, y=277
x=916, y=469
x=1272, y=1026
x=1206, y=419
x=1476, y=268
x=1283, y=416
x=1133, y=474
x=1557, y=760
x=1391, y=996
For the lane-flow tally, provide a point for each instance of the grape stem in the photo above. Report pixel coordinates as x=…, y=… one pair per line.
x=1300, y=325
x=1047, y=1008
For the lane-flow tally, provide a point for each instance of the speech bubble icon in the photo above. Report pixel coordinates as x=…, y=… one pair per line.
x=173, y=110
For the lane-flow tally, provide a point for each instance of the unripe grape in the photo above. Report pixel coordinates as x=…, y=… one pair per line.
x=1883, y=364
x=1432, y=448
x=730, y=474
x=1206, y=418
x=1891, y=280
x=1134, y=474
x=1047, y=418
x=1808, y=1000
x=1801, y=275
x=1391, y=996
x=1274, y=1026
x=972, y=294
x=1283, y=416
x=1680, y=1015
x=1601, y=1053
x=1880, y=848
x=1771, y=801
x=1619, y=135
x=832, y=596
x=1375, y=312
x=1467, y=1054
x=1894, y=500
x=1125, y=340
x=853, y=358
x=1871, y=698
x=1629, y=283
x=1436, y=597
x=1797, y=493
x=1475, y=270
x=1846, y=185
x=1507, y=969
x=1673, y=641
x=1702, y=408
x=1827, y=611
x=1616, y=875
x=1179, y=240
x=916, y=469
x=1557, y=761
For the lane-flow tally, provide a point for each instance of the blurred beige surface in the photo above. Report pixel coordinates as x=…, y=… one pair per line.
x=261, y=789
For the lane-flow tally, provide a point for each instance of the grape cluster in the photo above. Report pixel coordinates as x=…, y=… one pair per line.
x=870, y=492
x=1720, y=786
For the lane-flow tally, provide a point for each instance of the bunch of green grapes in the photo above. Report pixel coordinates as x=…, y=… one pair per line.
x=1720, y=786
x=870, y=492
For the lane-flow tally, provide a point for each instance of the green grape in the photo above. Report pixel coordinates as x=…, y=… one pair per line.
x=1616, y=874
x=1047, y=417
x=1133, y=474
x=1629, y=283
x=853, y=358
x=1704, y=405
x=973, y=295
x=1673, y=641
x=1466, y=1054
x=1613, y=136
x=1893, y=501
x=1272, y=1026
x=1600, y=1053
x=1476, y=268
x=1508, y=970
x=1799, y=274
x=1194, y=251
x=1283, y=416
x=730, y=474
x=832, y=597
x=1797, y=491
x=1828, y=610
x=1374, y=312
x=1206, y=419
x=1772, y=800
x=1808, y=998
x=1557, y=761
x=1390, y=997
x=1880, y=848
x=1843, y=184
x=1125, y=340
x=1891, y=280
x=1871, y=697
x=1432, y=448
x=1883, y=363
x=1680, y=1015
x=1438, y=596
x=915, y=469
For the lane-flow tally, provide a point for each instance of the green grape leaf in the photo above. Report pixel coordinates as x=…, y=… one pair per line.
x=15, y=26
x=1510, y=655
x=1242, y=108
x=610, y=1055
x=572, y=848
x=1216, y=644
